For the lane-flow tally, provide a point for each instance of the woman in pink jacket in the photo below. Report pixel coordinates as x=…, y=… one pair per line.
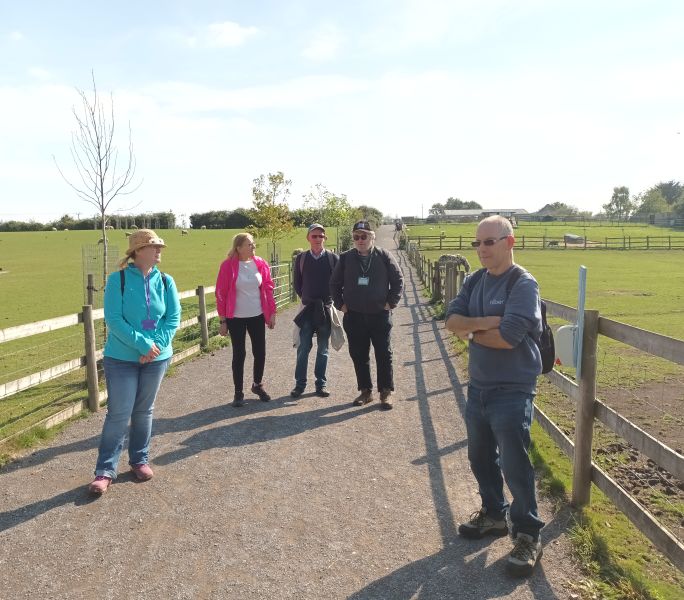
x=245, y=304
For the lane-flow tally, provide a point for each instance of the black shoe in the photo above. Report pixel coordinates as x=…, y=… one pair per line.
x=296, y=392
x=322, y=392
x=239, y=399
x=259, y=390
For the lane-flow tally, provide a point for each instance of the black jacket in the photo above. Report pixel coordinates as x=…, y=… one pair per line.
x=385, y=282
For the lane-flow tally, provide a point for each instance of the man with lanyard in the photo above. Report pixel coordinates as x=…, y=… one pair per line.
x=366, y=285
x=312, y=272
x=503, y=364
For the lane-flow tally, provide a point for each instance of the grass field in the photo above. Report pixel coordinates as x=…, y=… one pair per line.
x=43, y=271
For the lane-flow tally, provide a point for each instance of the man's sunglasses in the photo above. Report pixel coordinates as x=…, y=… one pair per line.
x=487, y=242
x=360, y=237
x=317, y=236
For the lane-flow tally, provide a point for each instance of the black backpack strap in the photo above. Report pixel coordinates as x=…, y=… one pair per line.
x=516, y=272
x=122, y=277
x=331, y=261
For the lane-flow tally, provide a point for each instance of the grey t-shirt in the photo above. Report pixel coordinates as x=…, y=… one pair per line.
x=516, y=368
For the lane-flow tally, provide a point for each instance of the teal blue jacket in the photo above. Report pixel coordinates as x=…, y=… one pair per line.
x=124, y=314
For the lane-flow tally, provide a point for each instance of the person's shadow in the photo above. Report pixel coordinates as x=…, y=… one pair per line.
x=261, y=429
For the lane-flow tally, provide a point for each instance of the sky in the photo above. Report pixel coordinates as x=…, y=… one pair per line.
x=398, y=104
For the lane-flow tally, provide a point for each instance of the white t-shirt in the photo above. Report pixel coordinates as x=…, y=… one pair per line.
x=247, y=293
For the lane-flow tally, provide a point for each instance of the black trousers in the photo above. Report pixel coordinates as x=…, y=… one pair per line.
x=363, y=330
x=238, y=329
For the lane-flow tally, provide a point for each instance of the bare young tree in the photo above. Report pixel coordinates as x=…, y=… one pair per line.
x=101, y=177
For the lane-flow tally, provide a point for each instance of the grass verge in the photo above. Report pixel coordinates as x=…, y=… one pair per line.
x=617, y=560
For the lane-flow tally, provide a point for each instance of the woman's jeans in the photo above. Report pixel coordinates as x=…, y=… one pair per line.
x=306, y=332
x=132, y=389
x=238, y=328
x=498, y=423
x=362, y=330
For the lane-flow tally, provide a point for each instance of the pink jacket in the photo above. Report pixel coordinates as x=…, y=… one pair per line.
x=225, y=288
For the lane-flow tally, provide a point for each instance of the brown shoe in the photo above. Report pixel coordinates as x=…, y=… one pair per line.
x=364, y=397
x=386, y=400
x=142, y=472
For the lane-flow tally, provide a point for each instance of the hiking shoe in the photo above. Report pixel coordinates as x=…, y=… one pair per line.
x=238, y=399
x=364, y=397
x=259, y=390
x=296, y=392
x=480, y=525
x=322, y=392
x=99, y=485
x=386, y=400
x=525, y=554
x=142, y=472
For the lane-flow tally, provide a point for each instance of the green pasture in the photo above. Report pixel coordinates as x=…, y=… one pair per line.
x=553, y=229
x=42, y=272
x=644, y=288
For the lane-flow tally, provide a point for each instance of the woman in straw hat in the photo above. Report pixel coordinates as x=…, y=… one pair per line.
x=142, y=312
x=245, y=304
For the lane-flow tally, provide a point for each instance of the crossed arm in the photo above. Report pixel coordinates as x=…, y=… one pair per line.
x=485, y=330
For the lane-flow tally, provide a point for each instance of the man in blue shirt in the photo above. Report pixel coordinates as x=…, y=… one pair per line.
x=503, y=365
x=312, y=272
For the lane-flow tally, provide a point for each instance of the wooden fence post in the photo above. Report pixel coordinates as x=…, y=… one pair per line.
x=90, y=288
x=91, y=360
x=584, y=416
x=203, y=321
x=437, y=291
x=460, y=277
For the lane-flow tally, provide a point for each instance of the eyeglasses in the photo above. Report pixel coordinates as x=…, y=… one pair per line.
x=487, y=242
x=360, y=237
x=317, y=236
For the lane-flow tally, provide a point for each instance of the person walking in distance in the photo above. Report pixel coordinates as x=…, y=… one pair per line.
x=366, y=285
x=312, y=270
x=503, y=365
x=245, y=304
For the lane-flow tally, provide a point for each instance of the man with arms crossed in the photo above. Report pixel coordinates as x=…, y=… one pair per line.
x=504, y=362
x=312, y=272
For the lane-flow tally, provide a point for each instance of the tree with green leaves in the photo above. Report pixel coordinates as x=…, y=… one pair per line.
x=456, y=204
x=672, y=191
x=270, y=213
x=651, y=202
x=620, y=206
x=558, y=209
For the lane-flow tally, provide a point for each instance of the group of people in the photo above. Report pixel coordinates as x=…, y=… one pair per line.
x=142, y=312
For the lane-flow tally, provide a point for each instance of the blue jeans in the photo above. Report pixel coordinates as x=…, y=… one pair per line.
x=305, y=344
x=498, y=424
x=132, y=389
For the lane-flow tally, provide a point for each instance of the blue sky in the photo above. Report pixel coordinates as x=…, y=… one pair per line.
x=397, y=104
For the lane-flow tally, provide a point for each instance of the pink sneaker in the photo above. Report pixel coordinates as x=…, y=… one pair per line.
x=99, y=485
x=142, y=472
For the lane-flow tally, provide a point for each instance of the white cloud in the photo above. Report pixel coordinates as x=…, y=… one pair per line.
x=39, y=73
x=228, y=34
x=325, y=44
x=16, y=36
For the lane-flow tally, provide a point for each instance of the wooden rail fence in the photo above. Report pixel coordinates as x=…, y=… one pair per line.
x=282, y=275
x=444, y=282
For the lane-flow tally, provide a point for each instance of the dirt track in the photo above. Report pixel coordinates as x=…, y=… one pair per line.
x=313, y=499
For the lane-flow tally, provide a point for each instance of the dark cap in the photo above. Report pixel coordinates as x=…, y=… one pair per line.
x=362, y=226
x=316, y=226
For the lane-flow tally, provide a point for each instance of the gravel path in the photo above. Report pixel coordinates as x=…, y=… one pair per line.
x=306, y=499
